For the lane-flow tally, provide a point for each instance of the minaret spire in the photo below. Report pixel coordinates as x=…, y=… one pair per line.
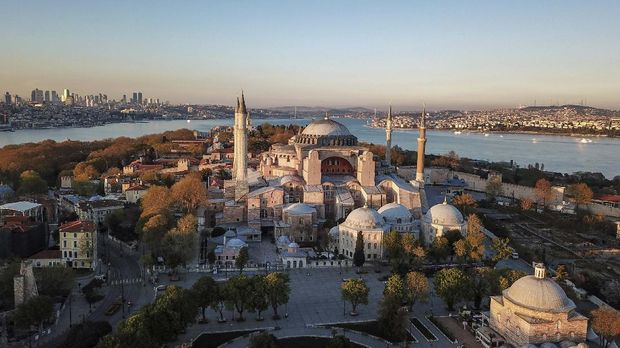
x=419, y=175
x=240, y=162
x=388, y=137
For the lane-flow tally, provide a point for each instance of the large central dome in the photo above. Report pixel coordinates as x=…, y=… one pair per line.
x=326, y=127
x=326, y=132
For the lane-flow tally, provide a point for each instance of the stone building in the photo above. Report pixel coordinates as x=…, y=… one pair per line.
x=373, y=228
x=299, y=223
x=440, y=219
x=534, y=310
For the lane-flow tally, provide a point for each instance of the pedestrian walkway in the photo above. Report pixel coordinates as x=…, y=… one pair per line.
x=126, y=281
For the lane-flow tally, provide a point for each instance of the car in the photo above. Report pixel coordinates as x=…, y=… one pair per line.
x=159, y=288
x=514, y=255
x=101, y=277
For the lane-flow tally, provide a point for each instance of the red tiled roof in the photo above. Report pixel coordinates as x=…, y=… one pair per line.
x=47, y=254
x=78, y=226
x=609, y=198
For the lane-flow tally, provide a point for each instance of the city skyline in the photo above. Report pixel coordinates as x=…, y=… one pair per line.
x=450, y=55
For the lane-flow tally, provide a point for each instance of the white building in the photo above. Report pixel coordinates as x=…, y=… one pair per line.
x=440, y=219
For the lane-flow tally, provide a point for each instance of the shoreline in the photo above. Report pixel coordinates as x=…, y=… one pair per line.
x=574, y=135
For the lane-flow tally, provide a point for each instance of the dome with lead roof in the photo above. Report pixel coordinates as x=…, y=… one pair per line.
x=444, y=214
x=540, y=294
x=326, y=132
x=364, y=218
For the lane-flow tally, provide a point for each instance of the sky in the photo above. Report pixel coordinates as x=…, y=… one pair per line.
x=447, y=54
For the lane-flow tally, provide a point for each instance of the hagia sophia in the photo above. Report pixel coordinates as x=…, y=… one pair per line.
x=323, y=174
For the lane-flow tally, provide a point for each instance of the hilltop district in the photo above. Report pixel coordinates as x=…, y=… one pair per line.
x=300, y=236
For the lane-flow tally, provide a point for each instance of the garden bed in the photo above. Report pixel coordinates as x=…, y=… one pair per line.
x=371, y=328
x=423, y=329
x=441, y=327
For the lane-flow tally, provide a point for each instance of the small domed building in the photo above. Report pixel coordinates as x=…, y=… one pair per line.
x=534, y=310
x=440, y=219
x=226, y=254
x=373, y=228
x=400, y=218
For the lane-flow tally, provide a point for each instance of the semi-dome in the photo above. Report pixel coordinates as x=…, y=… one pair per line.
x=540, y=294
x=299, y=209
x=235, y=243
x=364, y=218
x=394, y=211
x=326, y=127
x=444, y=214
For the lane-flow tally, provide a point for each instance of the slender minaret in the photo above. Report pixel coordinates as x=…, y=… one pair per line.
x=240, y=163
x=419, y=175
x=388, y=137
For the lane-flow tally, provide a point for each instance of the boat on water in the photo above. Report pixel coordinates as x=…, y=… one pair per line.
x=486, y=134
x=457, y=132
x=585, y=141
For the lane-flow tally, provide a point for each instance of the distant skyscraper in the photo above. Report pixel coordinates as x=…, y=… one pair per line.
x=65, y=95
x=124, y=100
x=7, y=98
x=54, y=97
x=134, y=98
x=36, y=95
x=47, y=96
x=140, y=98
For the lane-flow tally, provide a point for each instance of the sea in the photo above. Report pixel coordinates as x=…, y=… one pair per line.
x=565, y=154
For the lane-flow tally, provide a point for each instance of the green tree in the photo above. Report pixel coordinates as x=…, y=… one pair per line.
x=54, y=281
x=205, y=290
x=392, y=318
x=242, y=259
x=176, y=246
x=30, y=182
x=416, y=288
x=33, y=312
x=449, y=283
x=259, y=301
x=239, y=289
x=219, y=300
x=358, y=256
x=86, y=334
x=440, y=249
x=502, y=248
x=340, y=341
x=278, y=290
x=7, y=273
x=356, y=292
x=479, y=284
x=263, y=340
x=395, y=287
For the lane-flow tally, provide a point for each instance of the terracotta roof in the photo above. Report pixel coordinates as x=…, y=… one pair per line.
x=609, y=198
x=137, y=188
x=78, y=226
x=47, y=254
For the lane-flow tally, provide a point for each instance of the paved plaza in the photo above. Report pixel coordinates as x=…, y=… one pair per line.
x=316, y=300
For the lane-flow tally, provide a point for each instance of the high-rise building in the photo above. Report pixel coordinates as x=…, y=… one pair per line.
x=124, y=100
x=419, y=175
x=140, y=98
x=240, y=162
x=7, y=98
x=54, y=97
x=65, y=95
x=36, y=95
x=47, y=96
x=134, y=98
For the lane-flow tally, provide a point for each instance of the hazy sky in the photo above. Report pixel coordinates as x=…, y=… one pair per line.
x=468, y=54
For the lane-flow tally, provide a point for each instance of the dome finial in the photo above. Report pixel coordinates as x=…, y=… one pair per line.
x=445, y=199
x=539, y=270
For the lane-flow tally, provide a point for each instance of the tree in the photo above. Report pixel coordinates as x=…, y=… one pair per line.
x=10, y=270
x=259, y=301
x=358, y=256
x=219, y=300
x=449, y=285
x=494, y=188
x=526, y=204
x=87, y=334
x=479, y=284
x=392, y=318
x=54, y=281
x=412, y=251
x=211, y=258
x=263, y=340
x=395, y=287
x=239, y=290
x=439, y=249
x=157, y=200
x=33, y=312
x=187, y=224
x=472, y=246
x=340, y=341
x=190, y=192
x=242, y=259
x=465, y=202
x=606, y=322
x=581, y=193
x=502, y=248
x=154, y=230
x=543, y=191
x=278, y=290
x=205, y=291
x=392, y=243
x=561, y=273
x=356, y=292
x=176, y=248
x=416, y=288
x=30, y=182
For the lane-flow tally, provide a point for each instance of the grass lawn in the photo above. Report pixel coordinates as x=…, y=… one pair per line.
x=371, y=328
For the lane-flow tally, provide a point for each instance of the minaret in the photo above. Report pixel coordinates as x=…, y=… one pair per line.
x=419, y=175
x=388, y=138
x=240, y=163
